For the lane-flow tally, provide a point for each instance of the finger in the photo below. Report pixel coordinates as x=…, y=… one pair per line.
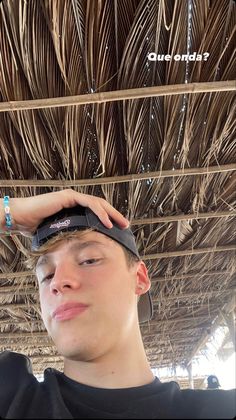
x=96, y=204
x=106, y=214
x=115, y=215
x=103, y=216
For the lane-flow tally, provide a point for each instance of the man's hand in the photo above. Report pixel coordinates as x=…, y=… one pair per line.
x=27, y=213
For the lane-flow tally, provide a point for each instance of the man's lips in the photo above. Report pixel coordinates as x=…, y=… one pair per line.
x=68, y=311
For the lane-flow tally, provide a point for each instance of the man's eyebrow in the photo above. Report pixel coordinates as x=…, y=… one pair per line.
x=43, y=261
x=78, y=246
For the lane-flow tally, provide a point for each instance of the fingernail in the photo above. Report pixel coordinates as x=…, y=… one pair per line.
x=126, y=226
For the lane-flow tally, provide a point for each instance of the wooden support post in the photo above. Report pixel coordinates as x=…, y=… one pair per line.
x=190, y=375
x=230, y=322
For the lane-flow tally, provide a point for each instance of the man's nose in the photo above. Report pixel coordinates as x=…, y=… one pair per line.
x=66, y=277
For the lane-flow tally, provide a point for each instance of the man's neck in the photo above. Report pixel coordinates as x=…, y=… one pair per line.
x=123, y=368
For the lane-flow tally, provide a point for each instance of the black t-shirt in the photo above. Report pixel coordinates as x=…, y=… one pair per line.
x=59, y=397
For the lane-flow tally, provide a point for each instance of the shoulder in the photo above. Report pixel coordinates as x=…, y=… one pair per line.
x=215, y=404
x=15, y=373
x=14, y=364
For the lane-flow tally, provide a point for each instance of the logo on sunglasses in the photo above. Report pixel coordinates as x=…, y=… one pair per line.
x=60, y=225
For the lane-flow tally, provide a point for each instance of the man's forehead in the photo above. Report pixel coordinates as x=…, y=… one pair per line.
x=89, y=239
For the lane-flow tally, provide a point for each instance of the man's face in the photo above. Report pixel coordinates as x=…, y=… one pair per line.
x=90, y=276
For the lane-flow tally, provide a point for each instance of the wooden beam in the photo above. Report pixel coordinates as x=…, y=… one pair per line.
x=120, y=95
x=147, y=333
x=15, y=306
x=20, y=323
x=173, y=347
x=157, y=342
x=164, y=349
x=230, y=322
x=160, y=365
x=165, y=353
x=15, y=275
x=21, y=347
x=118, y=179
x=168, y=357
x=16, y=291
x=23, y=335
x=181, y=217
x=202, y=296
x=195, y=307
x=161, y=361
x=190, y=275
x=46, y=356
x=180, y=331
x=38, y=368
x=37, y=365
x=195, y=318
x=185, y=252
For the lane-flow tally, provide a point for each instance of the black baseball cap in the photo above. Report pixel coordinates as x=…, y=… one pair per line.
x=213, y=381
x=79, y=218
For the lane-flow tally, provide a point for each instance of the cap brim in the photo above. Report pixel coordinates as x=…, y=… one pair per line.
x=145, y=308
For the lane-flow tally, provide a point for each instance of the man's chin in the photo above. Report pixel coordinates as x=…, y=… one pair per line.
x=74, y=352
x=77, y=355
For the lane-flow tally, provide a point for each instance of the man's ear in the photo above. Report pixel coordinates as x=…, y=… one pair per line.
x=143, y=283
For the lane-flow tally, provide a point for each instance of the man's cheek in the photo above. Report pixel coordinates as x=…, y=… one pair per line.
x=44, y=312
x=43, y=315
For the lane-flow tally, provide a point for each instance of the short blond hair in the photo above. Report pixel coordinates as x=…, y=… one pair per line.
x=52, y=243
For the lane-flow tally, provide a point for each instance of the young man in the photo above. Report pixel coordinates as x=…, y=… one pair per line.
x=93, y=291
x=213, y=382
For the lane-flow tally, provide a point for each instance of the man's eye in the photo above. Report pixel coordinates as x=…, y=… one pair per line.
x=90, y=261
x=48, y=277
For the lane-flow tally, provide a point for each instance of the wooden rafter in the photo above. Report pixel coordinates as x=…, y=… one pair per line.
x=168, y=173
x=119, y=95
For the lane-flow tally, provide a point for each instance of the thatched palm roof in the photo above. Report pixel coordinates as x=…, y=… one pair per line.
x=166, y=161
